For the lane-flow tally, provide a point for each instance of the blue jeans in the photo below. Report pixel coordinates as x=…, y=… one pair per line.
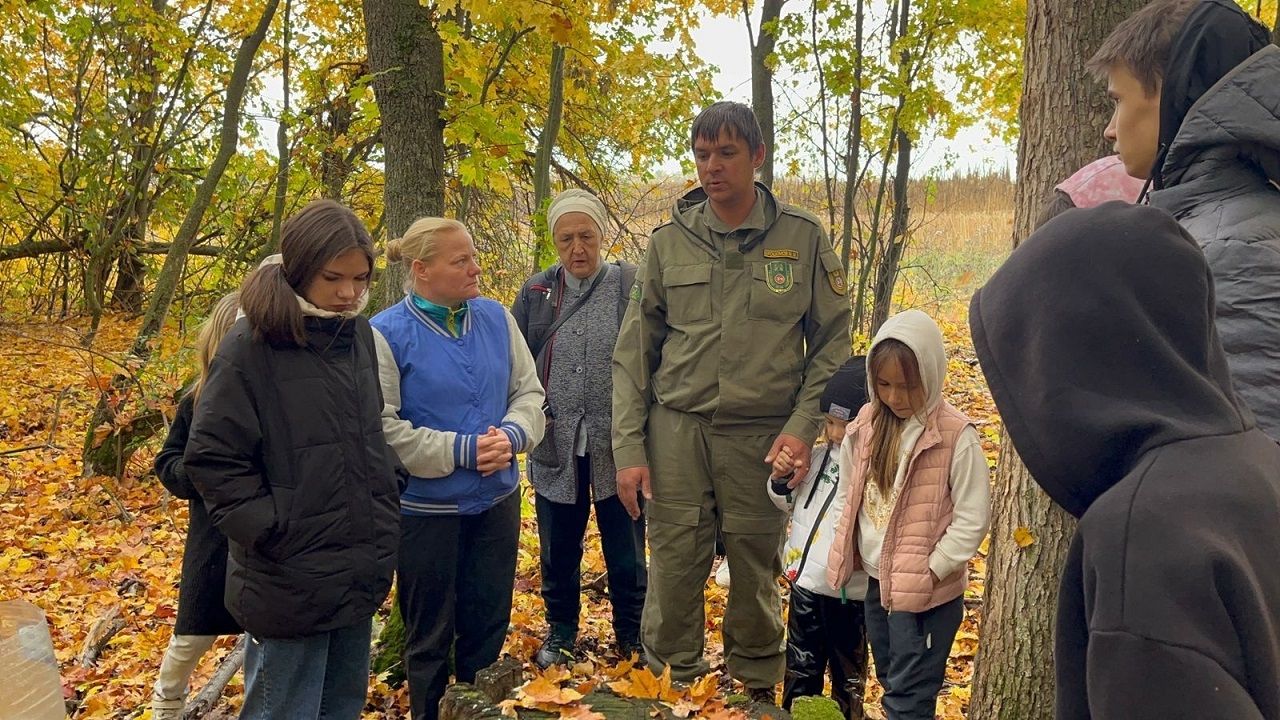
x=323, y=676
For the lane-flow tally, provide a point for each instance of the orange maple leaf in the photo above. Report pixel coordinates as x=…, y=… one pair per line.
x=704, y=688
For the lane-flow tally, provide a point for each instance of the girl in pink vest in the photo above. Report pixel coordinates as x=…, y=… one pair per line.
x=916, y=510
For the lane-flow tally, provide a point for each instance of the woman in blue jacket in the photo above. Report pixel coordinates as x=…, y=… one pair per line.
x=462, y=399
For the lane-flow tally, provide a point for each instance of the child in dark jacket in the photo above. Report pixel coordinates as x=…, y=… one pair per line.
x=287, y=450
x=826, y=631
x=202, y=616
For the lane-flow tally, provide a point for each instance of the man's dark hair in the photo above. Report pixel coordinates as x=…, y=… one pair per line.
x=732, y=117
x=1141, y=42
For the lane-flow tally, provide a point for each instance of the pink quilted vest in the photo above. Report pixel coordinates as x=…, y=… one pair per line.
x=918, y=520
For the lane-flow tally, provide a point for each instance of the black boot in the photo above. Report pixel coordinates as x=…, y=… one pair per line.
x=629, y=646
x=764, y=695
x=558, y=648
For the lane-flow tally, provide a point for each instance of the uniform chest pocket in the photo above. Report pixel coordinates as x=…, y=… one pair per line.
x=780, y=291
x=688, y=291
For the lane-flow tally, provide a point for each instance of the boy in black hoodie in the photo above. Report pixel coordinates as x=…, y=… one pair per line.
x=1097, y=339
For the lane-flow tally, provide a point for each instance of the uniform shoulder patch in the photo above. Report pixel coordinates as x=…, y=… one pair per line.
x=838, y=284
x=835, y=273
x=635, y=293
x=781, y=254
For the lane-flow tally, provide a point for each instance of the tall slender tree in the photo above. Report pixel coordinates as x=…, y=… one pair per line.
x=108, y=445
x=1063, y=113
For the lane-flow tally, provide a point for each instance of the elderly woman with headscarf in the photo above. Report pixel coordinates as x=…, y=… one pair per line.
x=570, y=314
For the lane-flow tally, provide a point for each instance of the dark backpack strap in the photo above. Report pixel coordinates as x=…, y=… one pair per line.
x=628, y=280
x=537, y=308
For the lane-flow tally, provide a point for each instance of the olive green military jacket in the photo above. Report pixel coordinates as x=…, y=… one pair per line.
x=741, y=327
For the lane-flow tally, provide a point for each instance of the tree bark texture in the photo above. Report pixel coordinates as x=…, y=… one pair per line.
x=762, y=82
x=282, y=140
x=406, y=58
x=887, y=272
x=1063, y=114
x=853, y=151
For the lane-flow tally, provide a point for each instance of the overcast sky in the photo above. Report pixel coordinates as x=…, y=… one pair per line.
x=723, y=42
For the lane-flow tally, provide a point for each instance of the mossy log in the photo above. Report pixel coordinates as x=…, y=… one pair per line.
x=464, y=701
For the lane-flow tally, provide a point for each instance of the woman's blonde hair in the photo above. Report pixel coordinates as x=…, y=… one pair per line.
x=419, y=241
x=220, y=320
x=886, y=427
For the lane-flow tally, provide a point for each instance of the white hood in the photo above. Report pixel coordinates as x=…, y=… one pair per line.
x=920, y=333
x=307, y=308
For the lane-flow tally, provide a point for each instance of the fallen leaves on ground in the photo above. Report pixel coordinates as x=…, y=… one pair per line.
x=68, y=550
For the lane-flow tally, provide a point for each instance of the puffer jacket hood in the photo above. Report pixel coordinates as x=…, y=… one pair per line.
x=1217, y=181
x=920, y=333
x=1097, y=339
x=1221, y=87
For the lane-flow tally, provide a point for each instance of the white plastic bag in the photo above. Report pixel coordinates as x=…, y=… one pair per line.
x=30, y=688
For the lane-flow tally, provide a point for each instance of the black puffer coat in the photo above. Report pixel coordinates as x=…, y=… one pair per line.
x=204, y=560
x=287, y=450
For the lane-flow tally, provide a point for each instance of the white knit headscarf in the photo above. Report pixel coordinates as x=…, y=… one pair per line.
x=578, y=201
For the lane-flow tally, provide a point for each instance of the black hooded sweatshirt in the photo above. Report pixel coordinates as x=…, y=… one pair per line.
x=1097, y=340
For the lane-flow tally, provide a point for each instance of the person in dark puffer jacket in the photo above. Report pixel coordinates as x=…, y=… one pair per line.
x=202, y=617
x=287, y=450
x=1196, y=84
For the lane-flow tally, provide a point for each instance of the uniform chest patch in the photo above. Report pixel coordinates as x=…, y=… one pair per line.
x=778, y=276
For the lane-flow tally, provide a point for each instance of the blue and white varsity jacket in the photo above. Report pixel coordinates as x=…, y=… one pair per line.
x=441, y=393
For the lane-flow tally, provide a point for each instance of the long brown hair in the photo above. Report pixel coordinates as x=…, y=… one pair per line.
x=220, y=320
x=310, y=238
x=886, y=427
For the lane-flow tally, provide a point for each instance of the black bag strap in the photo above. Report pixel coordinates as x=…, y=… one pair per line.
x=551, y=331
x=813, y=532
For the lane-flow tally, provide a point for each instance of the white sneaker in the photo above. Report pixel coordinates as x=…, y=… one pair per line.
x=162, y=709
x=722, y=573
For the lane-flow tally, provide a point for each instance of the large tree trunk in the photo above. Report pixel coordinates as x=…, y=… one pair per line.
x=109, y=450
x=406, y=58
x=544, y=251
x=762, y=79
x=1062, y=116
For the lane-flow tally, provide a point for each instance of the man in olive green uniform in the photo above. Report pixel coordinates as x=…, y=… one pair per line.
x=737, y=320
